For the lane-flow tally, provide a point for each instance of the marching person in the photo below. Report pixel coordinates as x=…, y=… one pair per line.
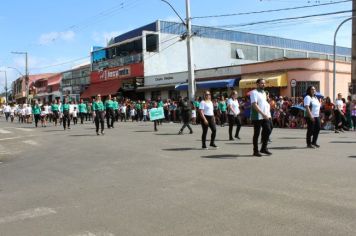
x=206, y=111
x=259, y=118
x=109, y=106
x=312, y=106
x=36, y=111
x=186, y=112
x=82, y=107
x=98, y=108
x=116, y=109
x=233, y=108
x=65, y=107
x=55, y=110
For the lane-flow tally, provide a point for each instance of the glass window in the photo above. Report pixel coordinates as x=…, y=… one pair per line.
x=295, y=54
x=249, y=52
x=301, y=88
x=268, y=54
x=318, y=55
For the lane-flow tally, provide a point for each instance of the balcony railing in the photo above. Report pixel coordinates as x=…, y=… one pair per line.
x=117, y=61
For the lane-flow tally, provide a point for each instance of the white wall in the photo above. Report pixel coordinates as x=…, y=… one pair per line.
x=172, y=55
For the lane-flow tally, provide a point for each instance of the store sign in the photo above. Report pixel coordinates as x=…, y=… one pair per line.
x=175, y=78
x=115, y=73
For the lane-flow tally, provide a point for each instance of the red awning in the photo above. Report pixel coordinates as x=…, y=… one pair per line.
x=103, y=88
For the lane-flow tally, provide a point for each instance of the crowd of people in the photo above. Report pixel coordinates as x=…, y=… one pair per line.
x=260, y=109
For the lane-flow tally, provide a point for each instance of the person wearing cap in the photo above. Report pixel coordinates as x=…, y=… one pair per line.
x=65, y=111
x=260, y=117
x=99, y=110
x=109, y=105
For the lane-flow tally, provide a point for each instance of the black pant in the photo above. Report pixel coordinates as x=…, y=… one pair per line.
x=266, y=131
x=66, y=119
x=340, y=120
x=75, y=120
x=313, y=130
x=110, y=117
x=223, y=117
x=234, y=120
x=7, y=114
x=123, y=116
x=212, y=125
x=116, y=115
x=99, y=117
x=186, y=117
x=354, y=121
x=81, y=115
x=55, y=117
x=37, y=118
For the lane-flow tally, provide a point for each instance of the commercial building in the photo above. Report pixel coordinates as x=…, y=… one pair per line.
x=151, y=61
x=75, y=81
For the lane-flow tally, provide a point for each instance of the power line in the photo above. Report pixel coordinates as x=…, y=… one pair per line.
x=283, y=19
x=60, y=64
x=273, y=10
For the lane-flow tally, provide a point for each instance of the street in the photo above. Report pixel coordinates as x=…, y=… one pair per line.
x=134, y=181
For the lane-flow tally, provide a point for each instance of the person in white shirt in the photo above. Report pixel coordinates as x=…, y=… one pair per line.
x=312, y=106
x=260, y=118
x=75, y=116
x=28, y=114
x=233, y=108
x=123, y=111
x=7, y=111
x=206, y=111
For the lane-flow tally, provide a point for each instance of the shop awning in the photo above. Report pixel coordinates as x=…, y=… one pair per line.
x=54, y=80
x=103, y=88
x=224, y=83
x=279, y=80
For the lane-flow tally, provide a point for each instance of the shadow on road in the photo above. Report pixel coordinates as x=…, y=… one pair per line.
x=52, y=131
x=237, y=143
x=352, y=156
x=291, y=138
x=167, y=134
x=82, y=135
x=222, y=156
x=286, y=148
x=143, y=131
x=180, y=149
x=343, y=142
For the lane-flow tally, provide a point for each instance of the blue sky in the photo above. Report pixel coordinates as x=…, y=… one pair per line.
x=56, y=32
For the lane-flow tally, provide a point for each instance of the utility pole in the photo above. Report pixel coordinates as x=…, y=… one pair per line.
x=191, y=76
x=353, y=61
x=26, y=74
x=7, y=102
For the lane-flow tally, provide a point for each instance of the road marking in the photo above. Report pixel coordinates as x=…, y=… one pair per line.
x=87, y=233
x=2, y=131
x=31, y=142
x=28, y=214
x=4, y=139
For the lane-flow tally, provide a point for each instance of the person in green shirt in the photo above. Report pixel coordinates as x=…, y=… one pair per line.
x=65, y=111
x=109, y=106
x=98, y=108
x=82, y=108
x=36, y=111
x=222, y=110
x=55, y=111
x=116, y=109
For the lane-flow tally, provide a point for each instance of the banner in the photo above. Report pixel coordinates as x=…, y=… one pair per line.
x=156, y=113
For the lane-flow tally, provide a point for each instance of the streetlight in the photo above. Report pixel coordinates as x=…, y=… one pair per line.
x=188, y=25
x=26, y=73
x=7, y=102
x=334, y=59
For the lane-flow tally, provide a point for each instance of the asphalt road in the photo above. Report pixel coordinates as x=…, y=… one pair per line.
x=133, y=181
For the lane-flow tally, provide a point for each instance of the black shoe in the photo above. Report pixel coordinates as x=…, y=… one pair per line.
x=316, y=145
x=213, y=145
x=310, y=146
x=191, y=132
x=97, y=133
x=265, y=151
x=231, y=139
x=336, y=132
x=236, y=136
x=204, y=147
x=180, y=132
x=257, y=154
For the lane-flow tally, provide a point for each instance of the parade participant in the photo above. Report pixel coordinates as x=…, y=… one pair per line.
x=123, y=111
x=75, y=116
x=186, y=112
x=353, y=113
x=82, y=107
x=109, y=106
x=312, y=106
x=12, y=113
x=7, y=111
x=155, y=122
x=116, y=109
x=206, y=111
x=43, y=117
x=222, y=110
x=55, y=111
x=233, y=108
x=36, y=111
x=65, y=107
x=99, y=110
x=89, y=112
x=259, y=118
x=339, y=114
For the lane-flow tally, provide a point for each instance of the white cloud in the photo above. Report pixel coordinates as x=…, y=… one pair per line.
x=102, y=38
x=48, y=38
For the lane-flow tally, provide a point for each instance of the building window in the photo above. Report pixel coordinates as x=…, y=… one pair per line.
x=151, y=42
x=155, y=95
x=246, y=52
x=301, y=88
x=268, y=54
x=318, y=55
x=295, y=54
